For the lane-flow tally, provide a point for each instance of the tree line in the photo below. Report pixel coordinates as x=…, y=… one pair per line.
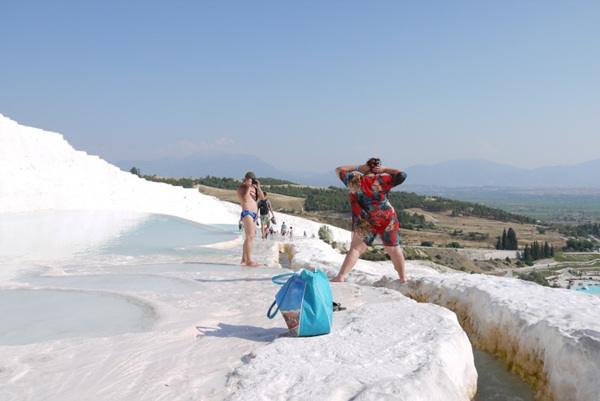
x=581, y=230
x=508, y=240
x=336, y=199
x=536, y=250
x=577, y=245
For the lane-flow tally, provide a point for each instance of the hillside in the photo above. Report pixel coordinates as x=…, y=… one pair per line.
x=475, y=232
x=280, y=202
x=468, y=231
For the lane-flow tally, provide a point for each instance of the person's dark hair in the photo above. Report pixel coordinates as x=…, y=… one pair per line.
x=373, y=162
x=264, y=193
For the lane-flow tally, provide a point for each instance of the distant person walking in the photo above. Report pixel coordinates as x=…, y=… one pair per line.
x=372, y=213
x=283, y=229
x=249, y=193
x=266, y=211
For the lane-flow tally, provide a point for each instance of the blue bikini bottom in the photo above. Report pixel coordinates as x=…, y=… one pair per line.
x=246, y=213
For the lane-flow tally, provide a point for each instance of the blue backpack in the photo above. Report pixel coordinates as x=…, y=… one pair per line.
x=305, y=302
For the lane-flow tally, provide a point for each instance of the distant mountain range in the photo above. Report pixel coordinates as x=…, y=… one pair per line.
x=455, y=173
x=223, y=165
x=475, y=172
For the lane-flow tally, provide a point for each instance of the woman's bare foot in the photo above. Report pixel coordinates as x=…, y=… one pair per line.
x=404, y=279
x=337, y=279
x=250, y=264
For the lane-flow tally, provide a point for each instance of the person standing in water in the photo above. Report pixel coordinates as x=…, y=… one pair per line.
x=249, y=193
x=372, y=213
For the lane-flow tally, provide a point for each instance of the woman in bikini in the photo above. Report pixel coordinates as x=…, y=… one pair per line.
x=372, y=214
x=249, y=193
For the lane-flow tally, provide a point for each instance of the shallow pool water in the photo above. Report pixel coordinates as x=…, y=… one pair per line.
x=31, y=316
x=496, y=382
x=66, y=274
x=84, y=235
x=592, y=287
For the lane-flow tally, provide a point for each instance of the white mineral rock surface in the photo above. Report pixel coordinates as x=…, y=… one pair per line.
x=204, y=334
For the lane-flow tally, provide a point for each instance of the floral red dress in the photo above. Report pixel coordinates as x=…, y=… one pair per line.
x=372, y=213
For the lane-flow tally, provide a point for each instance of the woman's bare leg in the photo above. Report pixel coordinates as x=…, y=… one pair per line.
x=357, y=247
x=249, y=231
x=397, y=256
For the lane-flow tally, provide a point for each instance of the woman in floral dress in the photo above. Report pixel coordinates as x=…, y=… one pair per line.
x=372, y=213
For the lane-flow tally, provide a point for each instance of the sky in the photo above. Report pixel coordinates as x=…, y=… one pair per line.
x=309, y=85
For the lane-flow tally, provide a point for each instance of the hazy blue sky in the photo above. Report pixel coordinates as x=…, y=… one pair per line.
x=309, y=85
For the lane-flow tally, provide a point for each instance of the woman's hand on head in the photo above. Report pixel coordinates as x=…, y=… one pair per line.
x=378, y=169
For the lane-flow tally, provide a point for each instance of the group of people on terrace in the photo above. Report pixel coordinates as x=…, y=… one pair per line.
x=372, y=214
